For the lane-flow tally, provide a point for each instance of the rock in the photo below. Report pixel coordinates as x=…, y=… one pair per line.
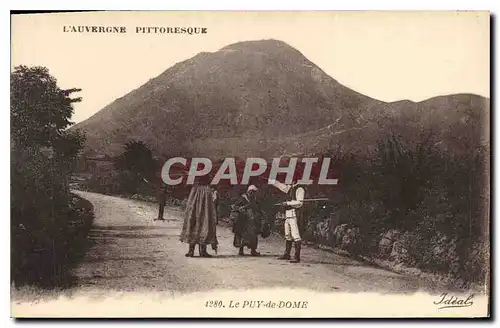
x=338, y=234
x=322, y=231
x=403, y=250
x=442, y=255
x=438, y=243
x=399, y=252
x=386, y=242
x=350, y=240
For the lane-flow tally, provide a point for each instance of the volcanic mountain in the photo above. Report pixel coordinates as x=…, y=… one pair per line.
x=263, y=98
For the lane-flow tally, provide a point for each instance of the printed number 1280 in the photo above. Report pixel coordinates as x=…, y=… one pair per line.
x=214, y=304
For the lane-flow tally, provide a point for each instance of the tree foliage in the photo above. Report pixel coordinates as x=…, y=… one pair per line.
x=40, y=110
x=135, y=164
x=43, y=154
x=438, y=199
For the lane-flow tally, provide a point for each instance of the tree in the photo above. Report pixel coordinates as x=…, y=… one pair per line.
x=136, y=163
x=67, y=146
x=42, y=154
x=40, y=110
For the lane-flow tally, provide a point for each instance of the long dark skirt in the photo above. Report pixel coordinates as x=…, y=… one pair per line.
x=200, y=220
x=246, y=229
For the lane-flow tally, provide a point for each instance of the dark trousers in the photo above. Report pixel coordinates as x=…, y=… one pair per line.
x=161, y=210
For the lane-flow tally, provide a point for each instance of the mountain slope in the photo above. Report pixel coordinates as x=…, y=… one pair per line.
x=259, y=98
x=457, y=122
x=249, y=89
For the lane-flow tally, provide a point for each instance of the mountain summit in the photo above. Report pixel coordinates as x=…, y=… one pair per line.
x=253, y=98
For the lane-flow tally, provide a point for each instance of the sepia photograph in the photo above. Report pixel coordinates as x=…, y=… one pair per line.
x=250, y=164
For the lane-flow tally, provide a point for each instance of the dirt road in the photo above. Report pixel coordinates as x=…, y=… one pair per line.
x=132, y=252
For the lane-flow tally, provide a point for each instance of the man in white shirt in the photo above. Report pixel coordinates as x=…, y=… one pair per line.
x=296, y=195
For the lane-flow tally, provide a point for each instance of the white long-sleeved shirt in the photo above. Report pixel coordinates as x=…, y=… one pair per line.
x=299, y=196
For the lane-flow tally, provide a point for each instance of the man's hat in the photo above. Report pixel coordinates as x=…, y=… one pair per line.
x=252, y=187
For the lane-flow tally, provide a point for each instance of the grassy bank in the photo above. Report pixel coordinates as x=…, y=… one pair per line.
x=44, y=257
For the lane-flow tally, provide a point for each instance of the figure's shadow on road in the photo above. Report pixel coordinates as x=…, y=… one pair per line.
x=236, y=256
x=126, y=234
x=130, y=228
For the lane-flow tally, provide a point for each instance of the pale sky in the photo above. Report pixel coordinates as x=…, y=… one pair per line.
x=387, y=56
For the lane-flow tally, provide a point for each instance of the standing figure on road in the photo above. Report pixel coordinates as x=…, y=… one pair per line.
x=215, y=196
x=161, y=196
x=293, y=219
x=246, y=216
x=200, y=221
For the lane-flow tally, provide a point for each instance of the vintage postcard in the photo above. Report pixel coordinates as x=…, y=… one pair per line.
x=295, y=164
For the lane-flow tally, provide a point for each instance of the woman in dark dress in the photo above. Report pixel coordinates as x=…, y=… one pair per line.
x=246, y=216
x=200, y=220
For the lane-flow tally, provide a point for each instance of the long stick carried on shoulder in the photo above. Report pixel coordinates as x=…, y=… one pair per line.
x=302, y=201
x=285, y=188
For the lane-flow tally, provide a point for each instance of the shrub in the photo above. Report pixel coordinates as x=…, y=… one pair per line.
x=46, y=221
x=436, y=198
